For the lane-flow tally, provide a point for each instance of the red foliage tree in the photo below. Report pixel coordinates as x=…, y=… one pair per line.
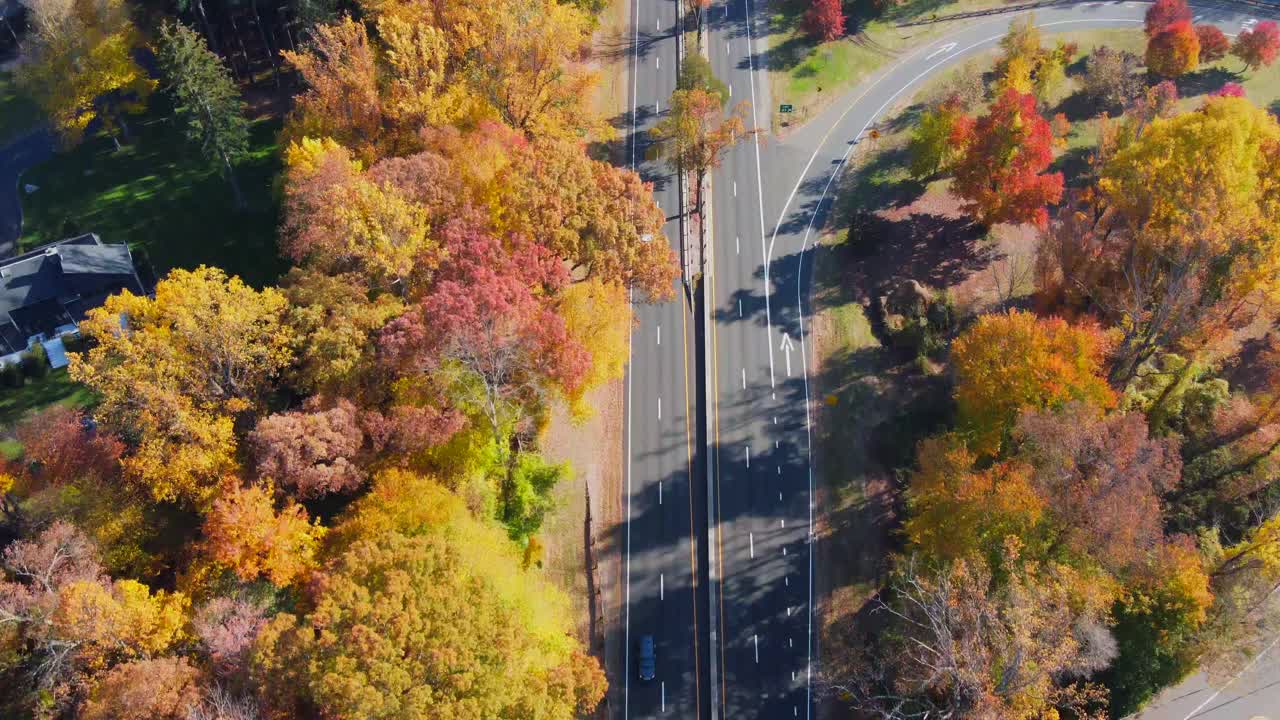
x=1231, y=89
x=1258, y=48
x=1000, y=173
x=488, y=312
x=60, y=446
x=227, y=628
x=313, y=452
x=1213, y=43
x=824, y=20
x=1174, y=50
x=1101, y=478
x=1164, y=13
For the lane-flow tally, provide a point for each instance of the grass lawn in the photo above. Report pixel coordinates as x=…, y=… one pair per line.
x=18, y=113
x=56, y=387
x=808, y=76
x=159, y=195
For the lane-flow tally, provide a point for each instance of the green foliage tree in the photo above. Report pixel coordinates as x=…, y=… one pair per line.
x=696, y=74
x=206, y=100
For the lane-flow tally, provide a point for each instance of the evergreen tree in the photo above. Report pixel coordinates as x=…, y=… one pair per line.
x=206, y=99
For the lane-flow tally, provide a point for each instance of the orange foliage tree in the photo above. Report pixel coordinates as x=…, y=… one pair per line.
x=1173, y=51
x=1009, y=362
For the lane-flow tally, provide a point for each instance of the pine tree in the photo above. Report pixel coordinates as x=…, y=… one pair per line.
x=206, y=99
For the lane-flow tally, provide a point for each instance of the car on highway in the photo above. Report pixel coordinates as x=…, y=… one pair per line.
x=648, y=662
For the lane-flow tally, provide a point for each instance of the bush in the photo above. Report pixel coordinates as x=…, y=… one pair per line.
x=11, y=375
x=73, y=342
x=35, y=362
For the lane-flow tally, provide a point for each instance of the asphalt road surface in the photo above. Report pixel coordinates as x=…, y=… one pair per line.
x=662, y=594
x=769, y=198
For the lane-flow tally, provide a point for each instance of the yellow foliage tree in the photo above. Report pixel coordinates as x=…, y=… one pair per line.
x=1010, y=362
x=599, y=315
x=82, y=65
x=171, y=372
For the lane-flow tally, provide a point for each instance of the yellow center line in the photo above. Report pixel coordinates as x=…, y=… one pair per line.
x=693, y=536
x=715, y=399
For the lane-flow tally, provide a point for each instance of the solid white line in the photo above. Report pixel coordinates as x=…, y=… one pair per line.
x=626, y=652
x=1246, y=669
x=751, y=67
x=751, y=539
x=756, y=639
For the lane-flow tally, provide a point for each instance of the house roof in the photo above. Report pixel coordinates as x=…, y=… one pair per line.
x=53, y=284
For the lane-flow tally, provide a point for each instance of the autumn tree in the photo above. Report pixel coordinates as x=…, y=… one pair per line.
x=824, y=20
x=203, y=350
x=1156, y=620
x=957, y=510
x=486, y=332
x=1164, y=14
x=1010, y=362
x=334, y=322
x=598, y=315
x=1174, y=50
x=1162, y=251
x=449, y=623
x=244, y=532
x=312, y=452
x=1258, y=46
x=933, y=146
x=599, y=217
x=151, y=689
x=531, y=69
x=60, y=445
x=81, y=66
x=70, y=620
x=695, y=135
x=227, y=628
x=961, y=644
x=207, y=100
x=696, y=73
x=1213, y=43
x=1111, y=77
x=700, y=8
x=1000, y=174
x=1101, y=478
x=339, y=220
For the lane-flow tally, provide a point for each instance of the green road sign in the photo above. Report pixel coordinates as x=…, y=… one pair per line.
x=785, y=108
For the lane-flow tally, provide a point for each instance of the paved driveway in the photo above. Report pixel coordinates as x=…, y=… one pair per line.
x=33, y=148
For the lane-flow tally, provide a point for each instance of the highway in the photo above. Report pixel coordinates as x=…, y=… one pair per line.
x=769, y=199
x=660, y=535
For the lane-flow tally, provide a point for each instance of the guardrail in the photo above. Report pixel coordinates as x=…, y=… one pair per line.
x=1261, y=4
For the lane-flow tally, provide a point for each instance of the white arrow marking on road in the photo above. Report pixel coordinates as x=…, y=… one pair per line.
x=944, y=49
x=787, y=346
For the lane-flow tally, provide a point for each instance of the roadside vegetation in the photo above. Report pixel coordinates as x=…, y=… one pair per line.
x=310, y=479
x=1046, y=426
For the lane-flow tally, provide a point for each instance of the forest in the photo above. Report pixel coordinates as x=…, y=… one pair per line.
x=322, y=496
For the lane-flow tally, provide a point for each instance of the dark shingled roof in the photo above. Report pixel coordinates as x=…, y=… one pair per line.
x=57, y=284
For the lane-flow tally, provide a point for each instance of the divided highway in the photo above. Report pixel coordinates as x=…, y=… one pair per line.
x=769, y=199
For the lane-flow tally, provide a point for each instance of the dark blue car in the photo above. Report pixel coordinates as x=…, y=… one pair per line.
x=648, y=663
